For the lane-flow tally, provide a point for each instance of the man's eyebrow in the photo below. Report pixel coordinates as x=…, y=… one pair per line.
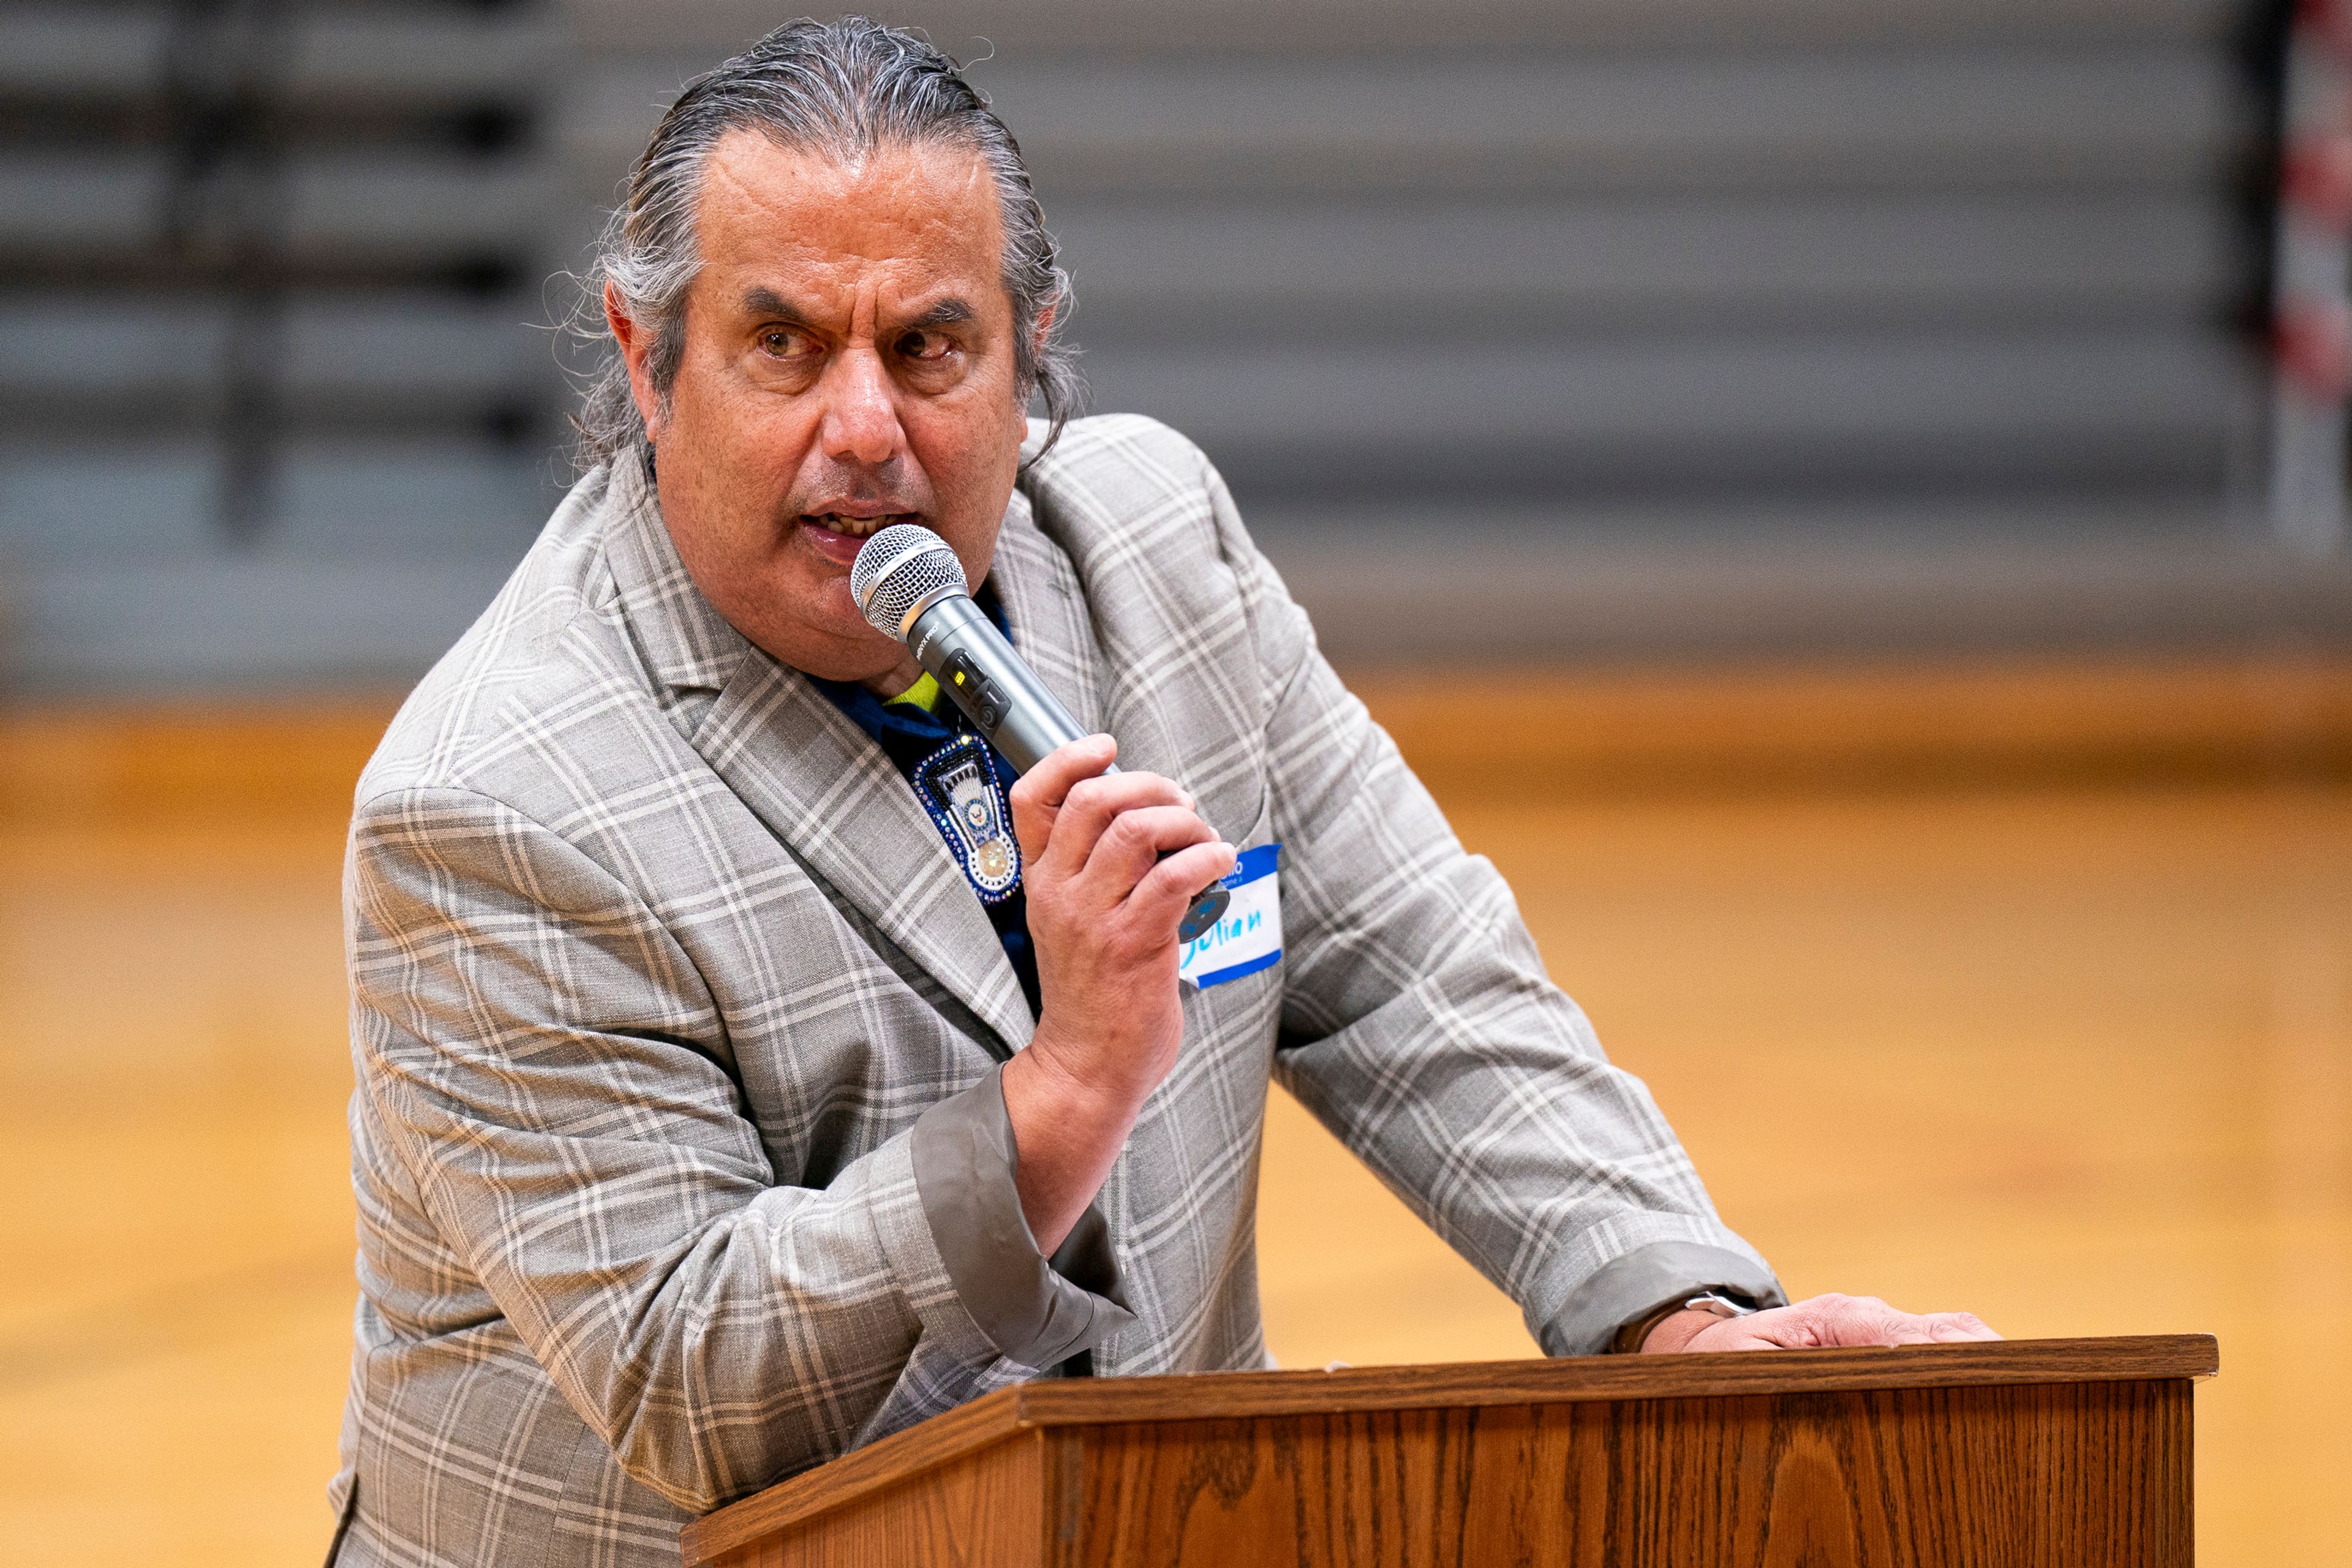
x=763, y=302
x=946, y=313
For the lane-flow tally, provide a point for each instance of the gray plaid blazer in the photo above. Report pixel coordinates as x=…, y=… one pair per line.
x=680, y=1159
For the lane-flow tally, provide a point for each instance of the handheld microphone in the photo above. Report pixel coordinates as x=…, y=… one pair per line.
x=909, y=585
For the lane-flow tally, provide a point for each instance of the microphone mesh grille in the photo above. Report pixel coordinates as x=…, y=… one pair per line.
x=896, y=570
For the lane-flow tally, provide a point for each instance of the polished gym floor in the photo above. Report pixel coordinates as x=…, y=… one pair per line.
x=2067, y=1045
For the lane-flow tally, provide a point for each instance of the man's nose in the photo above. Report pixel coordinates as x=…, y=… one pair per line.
x=861, y=416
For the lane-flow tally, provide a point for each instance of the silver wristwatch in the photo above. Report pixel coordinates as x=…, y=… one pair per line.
x=1717, y=1304
x=1629, y=1337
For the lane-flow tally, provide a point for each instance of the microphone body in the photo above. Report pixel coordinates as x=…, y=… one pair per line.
x=908, y=585
x=982, y=674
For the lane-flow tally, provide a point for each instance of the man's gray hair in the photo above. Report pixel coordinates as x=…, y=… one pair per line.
x=842, y=89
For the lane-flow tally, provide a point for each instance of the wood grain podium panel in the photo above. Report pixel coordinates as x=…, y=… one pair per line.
x=975, y=1511
x=2071, y=1452
x=1974, y=1476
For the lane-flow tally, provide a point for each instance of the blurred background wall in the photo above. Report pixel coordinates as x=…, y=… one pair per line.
x=1602, y=330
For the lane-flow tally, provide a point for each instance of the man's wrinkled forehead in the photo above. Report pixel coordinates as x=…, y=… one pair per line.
x=811, y=230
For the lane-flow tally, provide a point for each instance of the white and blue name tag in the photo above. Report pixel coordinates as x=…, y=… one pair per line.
x=1249, y=936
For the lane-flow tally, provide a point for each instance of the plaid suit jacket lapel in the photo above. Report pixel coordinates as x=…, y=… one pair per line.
x=1047, y=611
x=814, y=778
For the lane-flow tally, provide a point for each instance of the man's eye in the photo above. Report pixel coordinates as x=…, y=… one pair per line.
x=924, y=346
x=782, y=343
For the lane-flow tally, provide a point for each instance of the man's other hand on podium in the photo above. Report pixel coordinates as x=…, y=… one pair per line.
x=1817, y=1322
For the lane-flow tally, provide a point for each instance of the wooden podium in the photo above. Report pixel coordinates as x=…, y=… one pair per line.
x=2066, y=1453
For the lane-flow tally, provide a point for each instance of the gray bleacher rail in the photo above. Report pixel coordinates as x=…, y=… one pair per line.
x=1774, y=264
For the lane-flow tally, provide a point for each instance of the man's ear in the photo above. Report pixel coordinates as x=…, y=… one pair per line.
x=637, y=348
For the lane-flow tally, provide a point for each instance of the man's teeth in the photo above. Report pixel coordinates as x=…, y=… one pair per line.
x=856, y=527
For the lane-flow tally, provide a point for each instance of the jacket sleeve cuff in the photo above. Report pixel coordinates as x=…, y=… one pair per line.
x=1034, y=1309
x=1637, y=1283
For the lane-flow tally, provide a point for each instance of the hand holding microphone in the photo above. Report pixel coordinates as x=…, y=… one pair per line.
x=908, y=585
x=1120, y=869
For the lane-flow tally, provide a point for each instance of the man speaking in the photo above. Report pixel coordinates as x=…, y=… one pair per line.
x=749, y=1064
